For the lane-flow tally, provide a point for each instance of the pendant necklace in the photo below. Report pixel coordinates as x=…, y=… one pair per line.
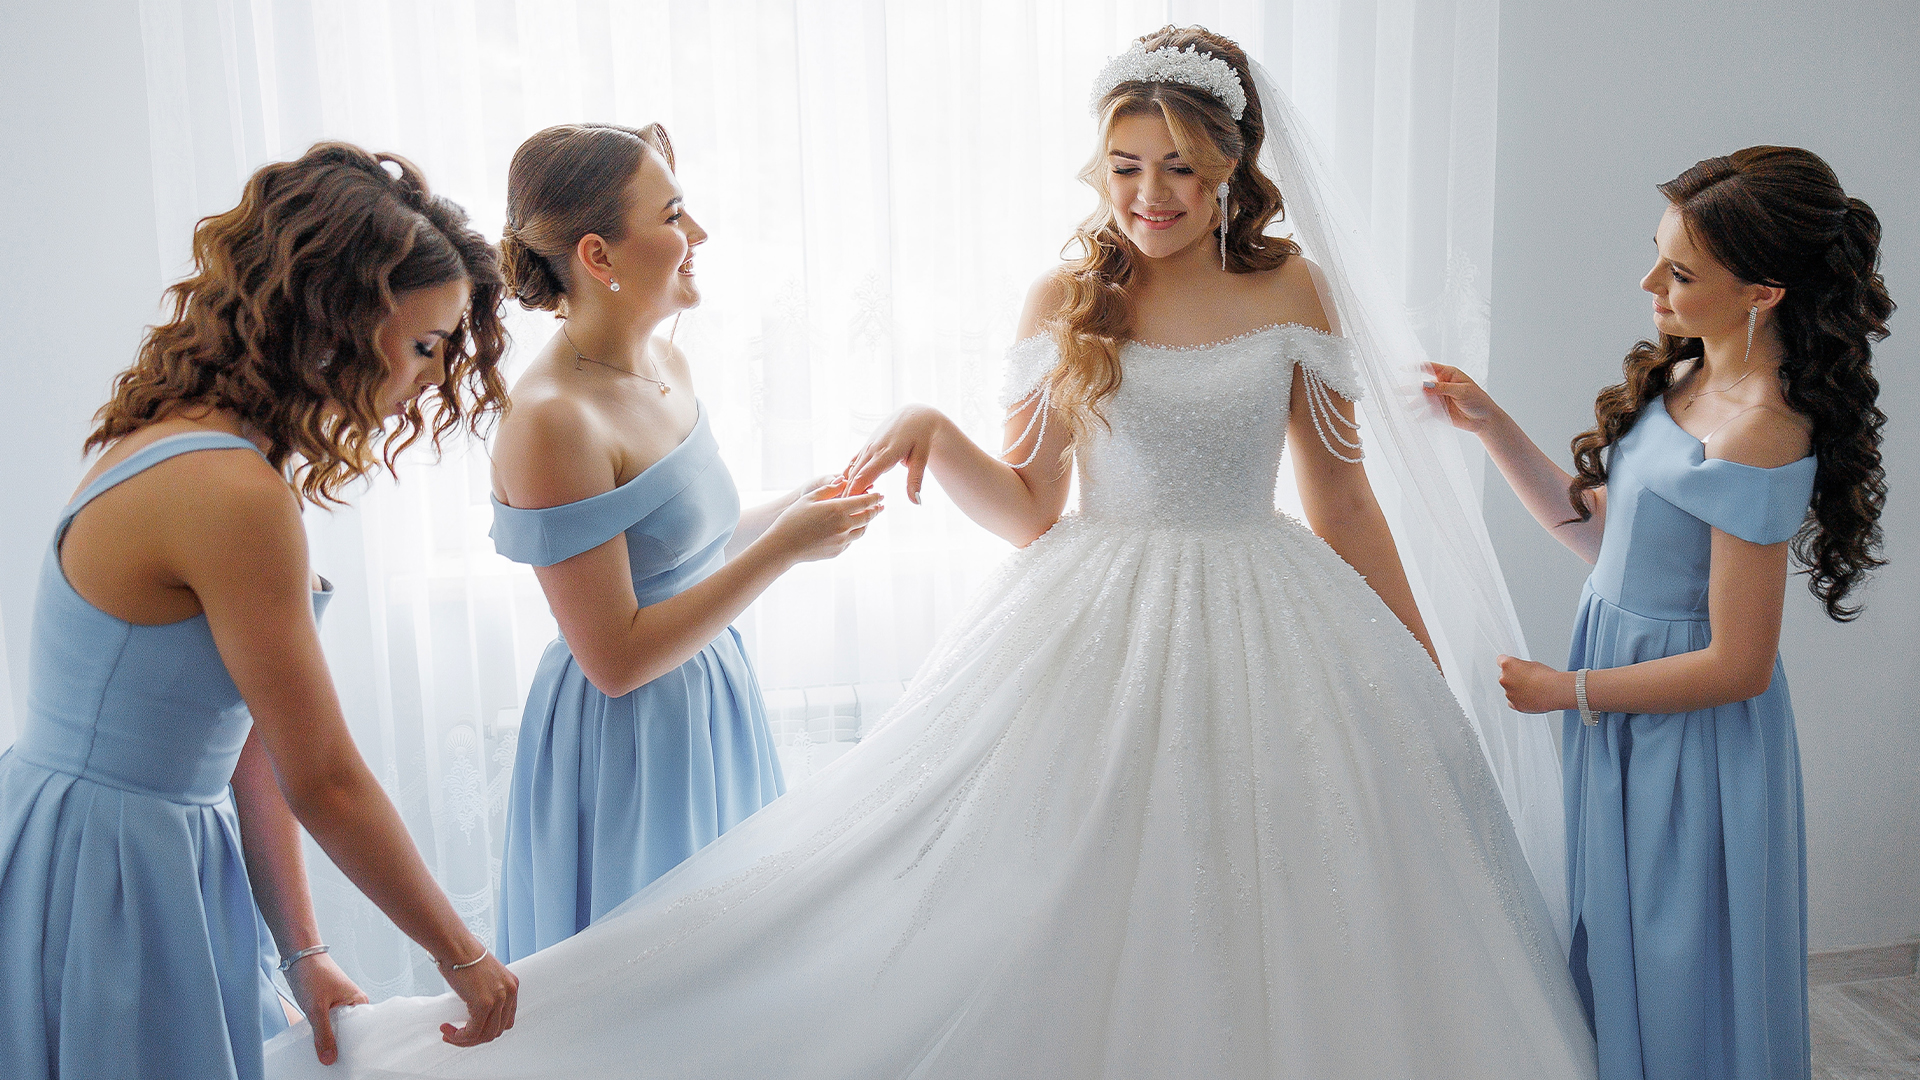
x=579, y=356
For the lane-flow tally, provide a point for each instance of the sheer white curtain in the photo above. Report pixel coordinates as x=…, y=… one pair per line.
x=881, y=179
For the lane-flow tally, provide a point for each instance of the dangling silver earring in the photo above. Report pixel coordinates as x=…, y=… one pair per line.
x=613, y=285
x=1753, y=316
x=1222, y=192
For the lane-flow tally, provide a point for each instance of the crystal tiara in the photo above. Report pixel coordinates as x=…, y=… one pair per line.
x=1189, y=65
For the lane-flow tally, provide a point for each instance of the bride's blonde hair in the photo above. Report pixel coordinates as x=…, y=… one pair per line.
x=1092, y=319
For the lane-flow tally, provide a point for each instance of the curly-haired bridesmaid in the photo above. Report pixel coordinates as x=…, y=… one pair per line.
x=1746, y=438
x=181, y=723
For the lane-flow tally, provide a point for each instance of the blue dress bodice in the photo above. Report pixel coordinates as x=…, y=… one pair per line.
x=678, y=516
x=1664, y=498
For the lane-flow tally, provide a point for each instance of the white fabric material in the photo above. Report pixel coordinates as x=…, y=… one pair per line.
x=1422, y=480
x=881, y=178
x=1178, y=796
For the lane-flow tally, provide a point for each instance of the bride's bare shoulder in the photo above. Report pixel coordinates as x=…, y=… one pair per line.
x=1294, y=292
x=1045, y=297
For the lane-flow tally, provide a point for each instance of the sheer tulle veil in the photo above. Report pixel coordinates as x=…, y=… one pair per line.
x=1419, y=473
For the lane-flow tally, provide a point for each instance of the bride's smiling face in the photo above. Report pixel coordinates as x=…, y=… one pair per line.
x=1158, y=201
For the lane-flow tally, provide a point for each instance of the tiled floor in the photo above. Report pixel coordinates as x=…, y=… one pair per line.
x=1867, y=1030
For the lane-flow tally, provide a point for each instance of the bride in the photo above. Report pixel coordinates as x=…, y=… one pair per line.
x=1181, y=795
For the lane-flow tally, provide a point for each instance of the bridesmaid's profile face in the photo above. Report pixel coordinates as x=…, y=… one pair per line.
x=653, y=260
x=1693, y=294
x=413, y=341
x=1158, y=201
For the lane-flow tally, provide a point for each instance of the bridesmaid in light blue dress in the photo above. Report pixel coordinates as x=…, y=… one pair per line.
x=181, y=726
x=1747, y=434
x=644, y=736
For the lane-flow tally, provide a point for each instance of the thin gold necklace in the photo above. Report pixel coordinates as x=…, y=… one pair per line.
x=579, y=356
x=1746, y=359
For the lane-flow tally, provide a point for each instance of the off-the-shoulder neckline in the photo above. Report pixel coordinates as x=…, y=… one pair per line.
x=1700, y=448
x=1255, y=332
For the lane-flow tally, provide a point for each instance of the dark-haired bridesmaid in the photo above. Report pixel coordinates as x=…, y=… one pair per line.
x=1747, y=437
x=181, y=724
x=644, y=736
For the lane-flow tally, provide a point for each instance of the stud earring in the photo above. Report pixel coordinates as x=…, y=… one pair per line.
x=613, y=285
x=1222, y=192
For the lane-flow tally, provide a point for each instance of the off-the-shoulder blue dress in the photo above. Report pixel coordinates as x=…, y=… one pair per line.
x=130, y=946
x=610, y=793
x=1685, y=831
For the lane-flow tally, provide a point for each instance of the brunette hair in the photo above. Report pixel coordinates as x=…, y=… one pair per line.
x=279, y=319
x=1776, y=215
x=1093, y=320
x=567, y=181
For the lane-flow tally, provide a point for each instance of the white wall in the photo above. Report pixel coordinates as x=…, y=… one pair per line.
x=81, y=275
x=1601, y=100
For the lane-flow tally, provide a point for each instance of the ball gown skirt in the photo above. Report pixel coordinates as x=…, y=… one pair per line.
x=1177, y=796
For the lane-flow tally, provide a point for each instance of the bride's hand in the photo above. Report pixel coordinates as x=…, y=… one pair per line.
x=491, y=992
x=319, y=987
x=907, y=439
x=1535, y=688
x=1469, y=407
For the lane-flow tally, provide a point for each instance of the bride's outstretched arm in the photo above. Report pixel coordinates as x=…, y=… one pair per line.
x=1019, y=494
x=1342, y=510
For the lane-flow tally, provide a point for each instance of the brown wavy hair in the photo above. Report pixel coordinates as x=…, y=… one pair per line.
x=567, y=181
x=278, y=320
x=1776, y=215
x=1093, y=319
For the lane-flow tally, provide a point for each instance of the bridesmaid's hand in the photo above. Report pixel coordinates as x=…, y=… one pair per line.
x=491, y=992
x=1535, y=688
x=1469, y=407
x=319, y=987
x=821, y=523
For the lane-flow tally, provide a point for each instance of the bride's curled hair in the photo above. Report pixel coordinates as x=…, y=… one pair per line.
x=279, y=318
x=1776, y=215
x=1093, y=319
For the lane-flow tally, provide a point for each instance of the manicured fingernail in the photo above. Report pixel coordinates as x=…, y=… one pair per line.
x=1429, y=384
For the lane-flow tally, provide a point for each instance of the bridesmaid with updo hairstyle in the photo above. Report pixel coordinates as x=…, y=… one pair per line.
x=1744, y=439
x=645, y=736
x=181, y=725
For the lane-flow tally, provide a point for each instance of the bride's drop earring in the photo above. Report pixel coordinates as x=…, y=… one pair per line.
x=613, y=285
x=1222, y=192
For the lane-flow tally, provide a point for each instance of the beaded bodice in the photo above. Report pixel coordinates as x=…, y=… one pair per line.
x=1194, y=435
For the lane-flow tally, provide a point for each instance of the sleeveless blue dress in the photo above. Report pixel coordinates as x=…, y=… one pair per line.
x=610, y=793
x=1685, y=831
x=130, y=945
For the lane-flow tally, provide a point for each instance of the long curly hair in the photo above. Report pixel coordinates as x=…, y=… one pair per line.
x=567, y=181
x=1093, y=319
x=279, y=318
x=1776, y=215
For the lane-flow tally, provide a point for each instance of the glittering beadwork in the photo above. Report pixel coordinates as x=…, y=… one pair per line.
x=1189, y=66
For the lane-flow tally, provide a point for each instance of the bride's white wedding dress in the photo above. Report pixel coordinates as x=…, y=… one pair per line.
x=1178, y=797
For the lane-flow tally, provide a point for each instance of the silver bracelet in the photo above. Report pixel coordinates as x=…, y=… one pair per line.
x=484, y=951
x=1580, y=698
x=312, y=950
